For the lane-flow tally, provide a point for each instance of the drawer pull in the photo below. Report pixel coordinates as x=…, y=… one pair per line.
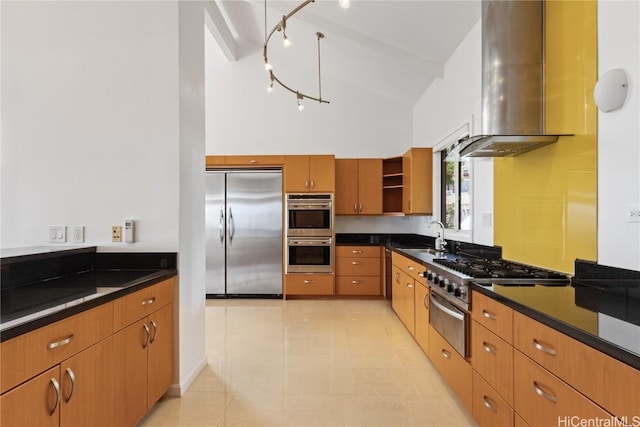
x=489, y=348
x=147, y=336
x=355, y=282
x=446, y=354
x=253, y=161
x=410, y=268
x=356, y=252
x=56, y=387
x=543, y=393
x=356, y=263
x=355, y=207
x=360, y=207
x=488, y=404
x=72, y=378
x=488, y=315
x=544, y=349
x=309, y=282
x=398, y=276
x=155, y=332
x=149, y=301
x=60, y=343
x=409, y=285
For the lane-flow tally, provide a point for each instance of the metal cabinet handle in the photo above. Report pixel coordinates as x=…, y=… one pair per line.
x=355, y=207
x=543, y=393
x=544, y=349
x=398, y=276
x=60, y=343
x=56, y=387
x=155, y=332
x=221, y=226
x=72, y=378
x=313, y=183
x=148, y=335
x=253, y=161
x=409, y=285
x=488, y=315
x=308, y=282
x=488, y=404
x=360, y=207
x=410, y=268
x=356, y=263
x=356, y=252
x=149, y=301
x=355, y=282
x=489, y=348
x=306, y=183
x=446, y=354
x=424, y=301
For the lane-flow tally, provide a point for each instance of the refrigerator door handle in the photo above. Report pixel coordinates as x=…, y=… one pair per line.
x=221, y=227
x=231, y=228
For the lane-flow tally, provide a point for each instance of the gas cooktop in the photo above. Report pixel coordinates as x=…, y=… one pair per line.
x=481, y=270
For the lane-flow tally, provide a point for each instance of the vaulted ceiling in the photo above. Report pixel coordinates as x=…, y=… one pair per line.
x=395, y=48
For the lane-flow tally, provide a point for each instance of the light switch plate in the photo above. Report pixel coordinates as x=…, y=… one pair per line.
x=57, y=234
x=77, y=234
x=116, y=233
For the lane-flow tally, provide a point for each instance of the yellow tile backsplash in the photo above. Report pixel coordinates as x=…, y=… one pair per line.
x=545, y=201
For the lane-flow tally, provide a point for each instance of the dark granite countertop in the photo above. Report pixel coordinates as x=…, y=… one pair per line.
x=385, y=239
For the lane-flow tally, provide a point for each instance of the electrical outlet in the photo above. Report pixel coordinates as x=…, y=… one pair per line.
x=57, y=234
x=116, y=233
x=77, y=233
x=633, y=214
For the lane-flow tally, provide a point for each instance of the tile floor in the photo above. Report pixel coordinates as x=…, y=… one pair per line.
x=311, y=363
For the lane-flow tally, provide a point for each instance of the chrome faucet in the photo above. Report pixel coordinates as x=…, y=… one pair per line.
x=440, y=242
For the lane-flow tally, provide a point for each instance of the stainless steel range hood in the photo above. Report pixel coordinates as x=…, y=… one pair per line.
x=512, y=80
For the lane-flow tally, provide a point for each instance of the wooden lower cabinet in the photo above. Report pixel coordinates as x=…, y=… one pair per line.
x=143, y=365
x=493, y=359
x=488, y=407
x=403, y=298
x=421, y=313
x=358, y=270
x=542, y=399
x=32, y=403
x=308, y=284
x=452, y=366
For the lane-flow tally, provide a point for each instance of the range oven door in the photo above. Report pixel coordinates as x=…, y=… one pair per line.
x=309, y=255
x=309, y=215
x=450, y=321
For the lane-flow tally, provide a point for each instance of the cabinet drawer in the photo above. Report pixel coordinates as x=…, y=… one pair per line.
x=308, y=284
x=492, y=357
x=610, y=383
x=33, y=352
x=489, y=408
x=407, y=265
x=495, y=316
x=254, y=160
x=357, y=285
x=358, y=251
x=357, y=266
x=139, y=304
x=543, y=400
x=454, y=368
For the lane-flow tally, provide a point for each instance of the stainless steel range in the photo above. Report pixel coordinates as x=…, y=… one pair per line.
x=450, y=297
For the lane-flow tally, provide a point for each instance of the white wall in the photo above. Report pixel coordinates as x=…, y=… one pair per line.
x=90, y=121
x=447, y=105
x=619, y=137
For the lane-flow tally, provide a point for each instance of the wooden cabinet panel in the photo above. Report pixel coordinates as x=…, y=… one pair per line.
x=417, y=190
x=160, y=358
x=130, y=374
x=308, y=284
x=357, y=266
x=215, y=161
x=370, y=186
x=495, y=316
x=36, y=351
x=296, y=174
x=454, y=368
x=34, y=403
x=518, y=421
x=611, y=384
x=140, y=304
x=358, y=251
x=346, y=198
x=492, y=357
x=254, y=160
x=489, y=408
x=358, y=285
x=403, y=298
x=421, y=310
x=87, y=387
x=322, y=174
x=543, y=400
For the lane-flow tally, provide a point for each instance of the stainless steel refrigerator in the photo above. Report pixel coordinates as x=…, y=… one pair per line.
x=244, y=233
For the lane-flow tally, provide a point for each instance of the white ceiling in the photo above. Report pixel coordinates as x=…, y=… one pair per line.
x=395, y=48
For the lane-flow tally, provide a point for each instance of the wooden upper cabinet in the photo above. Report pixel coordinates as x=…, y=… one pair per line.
x=215, y=161
x=314, y=174
x=417, y=189
x=273, y=160
x=359, y=187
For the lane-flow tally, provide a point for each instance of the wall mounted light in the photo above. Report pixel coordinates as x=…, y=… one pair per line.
x=282, y=26
x=610, y=91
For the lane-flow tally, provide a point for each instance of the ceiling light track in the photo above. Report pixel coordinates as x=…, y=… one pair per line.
x=282, y=26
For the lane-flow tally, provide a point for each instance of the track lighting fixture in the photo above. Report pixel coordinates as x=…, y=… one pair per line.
x=282, y=26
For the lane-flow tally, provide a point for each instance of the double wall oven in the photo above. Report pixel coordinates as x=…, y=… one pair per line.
x=309, y=233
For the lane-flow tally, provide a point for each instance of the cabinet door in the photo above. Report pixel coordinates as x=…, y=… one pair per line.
x=160, y=353
x=422, y=316
x=87, y=387
x=493, y=359
x=405, y=289
x=130, y=373
x=417, y=192
x=34, y=403
x=296, y=174
x=322, y=174
x=369, y=186
x=346, y=197
x=489, y=408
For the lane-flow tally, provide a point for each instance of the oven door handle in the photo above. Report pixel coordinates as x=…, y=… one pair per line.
x=440, y=305
x=315, y=242
x=310, y=206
